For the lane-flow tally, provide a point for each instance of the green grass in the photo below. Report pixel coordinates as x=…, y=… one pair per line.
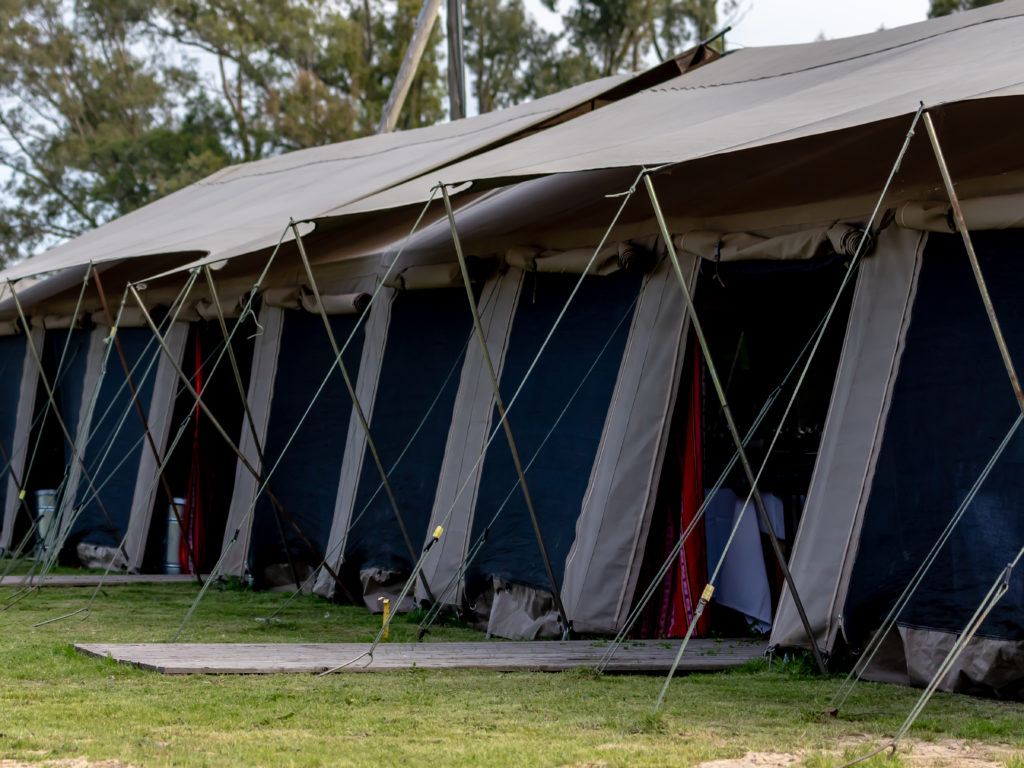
x=57, y=704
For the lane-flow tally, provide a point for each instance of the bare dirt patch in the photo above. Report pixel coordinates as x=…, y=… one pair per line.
x=944, y=753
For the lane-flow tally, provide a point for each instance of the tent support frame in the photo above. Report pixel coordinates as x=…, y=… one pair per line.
x=731, y=424
x=52, y=404
x=249, y=419
x=231, y=443
x=142, y=417
x=358, y=406
x=961, y=225
x=481, y=337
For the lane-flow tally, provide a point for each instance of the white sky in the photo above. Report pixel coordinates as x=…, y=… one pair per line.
x=779, y=22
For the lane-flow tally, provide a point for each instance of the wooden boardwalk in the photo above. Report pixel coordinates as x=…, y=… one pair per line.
x=93, y=579
x=308, y=658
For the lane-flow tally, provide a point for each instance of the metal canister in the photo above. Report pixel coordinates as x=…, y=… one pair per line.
x=172, y=560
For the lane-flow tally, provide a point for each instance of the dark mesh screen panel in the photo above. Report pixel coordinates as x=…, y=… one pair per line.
x=419, y=378
x=306, y=480
x=559, y=476
x=952, y=404
x=116, y=440
x=12, y=359
x=67, y=377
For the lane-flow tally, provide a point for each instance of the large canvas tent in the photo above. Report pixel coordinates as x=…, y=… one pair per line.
x=769, y=163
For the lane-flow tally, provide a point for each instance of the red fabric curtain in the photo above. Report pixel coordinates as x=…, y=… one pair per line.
x=193, y=534
x=681, y=494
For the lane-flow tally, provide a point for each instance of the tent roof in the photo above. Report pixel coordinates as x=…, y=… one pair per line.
x=245, y=207
x=752, y=98
x=762, y=96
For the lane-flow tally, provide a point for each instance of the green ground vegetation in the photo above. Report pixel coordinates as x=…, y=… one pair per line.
x=56, y=704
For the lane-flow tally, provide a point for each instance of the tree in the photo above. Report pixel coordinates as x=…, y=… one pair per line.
x=89, y=130
x=946, y=7
x=508, y=56
x=106, y=105
x=619, y=35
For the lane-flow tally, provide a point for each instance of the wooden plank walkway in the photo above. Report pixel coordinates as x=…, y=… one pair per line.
x=309, y=658
x=93, y=579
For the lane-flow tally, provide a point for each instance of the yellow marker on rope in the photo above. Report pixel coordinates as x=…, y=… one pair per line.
x=384, y=617
x=21, y=496
x=709, y=590
x=438, y=531
x=113, y=331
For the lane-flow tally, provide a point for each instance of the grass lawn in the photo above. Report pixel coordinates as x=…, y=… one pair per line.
x=56, y=705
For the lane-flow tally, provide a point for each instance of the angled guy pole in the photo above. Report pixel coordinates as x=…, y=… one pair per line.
x=142, y=417
x=363, y=421
x=248, y=416
x=499, y=403
x=227, y=438
x=731, y=424
x=961, y=225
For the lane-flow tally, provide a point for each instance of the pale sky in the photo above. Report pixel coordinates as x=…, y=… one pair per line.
x=780, y=22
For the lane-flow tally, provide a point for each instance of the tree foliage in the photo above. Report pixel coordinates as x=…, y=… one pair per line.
x=106, y=105
x=946, y=7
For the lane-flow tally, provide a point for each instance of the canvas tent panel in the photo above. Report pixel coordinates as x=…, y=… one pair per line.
x=158, y=418
x=306, y=479
x=427, y=340
x=246, y=207
x=115, y=442
x=758, y=97
x=562, y=460
x=822, y=553
x=375, y=333
x=238, y=529
x=951, y=406
x=603, y=565
x=468, y=434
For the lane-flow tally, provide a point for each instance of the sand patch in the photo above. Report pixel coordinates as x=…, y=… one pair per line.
x=943, y=753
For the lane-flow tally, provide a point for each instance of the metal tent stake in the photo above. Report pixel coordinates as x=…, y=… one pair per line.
x=481, y=337
x=731, y=424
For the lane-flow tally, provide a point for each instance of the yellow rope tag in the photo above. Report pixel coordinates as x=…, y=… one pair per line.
x=438, y=531
x=709, y=590
x=113, y=331
x=21, y=496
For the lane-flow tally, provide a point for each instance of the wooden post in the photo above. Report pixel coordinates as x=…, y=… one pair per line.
x=418, y=43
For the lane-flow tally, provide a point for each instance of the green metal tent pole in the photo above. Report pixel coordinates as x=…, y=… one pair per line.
x=731, y=424
x=961, y=225
x=52, y=401
x=249, y=419
x=145, y=421
x=478, y=326
x=358, y=407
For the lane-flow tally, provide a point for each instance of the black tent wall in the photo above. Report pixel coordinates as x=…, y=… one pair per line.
x=427, y=338
x=558, y=479
x=116, y=441
x=306, y=481
x=12, y=358
x=951, y=406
